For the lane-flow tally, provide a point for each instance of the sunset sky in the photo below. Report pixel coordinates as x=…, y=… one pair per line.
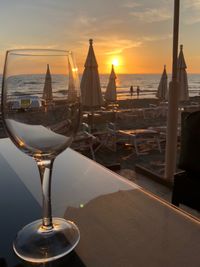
x=136, y=35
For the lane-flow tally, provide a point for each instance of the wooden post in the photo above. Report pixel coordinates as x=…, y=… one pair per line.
x=172, y=119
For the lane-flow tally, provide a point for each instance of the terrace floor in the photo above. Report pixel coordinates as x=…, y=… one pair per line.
x=127, y=159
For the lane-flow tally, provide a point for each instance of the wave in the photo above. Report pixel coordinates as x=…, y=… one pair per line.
x=148, y=84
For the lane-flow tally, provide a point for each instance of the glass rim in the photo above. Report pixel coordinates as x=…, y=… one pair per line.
x=38, y=52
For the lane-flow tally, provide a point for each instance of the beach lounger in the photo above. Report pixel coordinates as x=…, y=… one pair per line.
x=141, y=135
x=85, y=140
x=155, y=111
x=162, y=131
x=107, y=138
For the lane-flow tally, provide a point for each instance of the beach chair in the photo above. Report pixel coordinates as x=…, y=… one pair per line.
x=111, y=141
x=86, y=128
x=154, y=111
x=149, y=112
x=138, y=136
x=186, y=188
x=107, y=138
x=84, y=140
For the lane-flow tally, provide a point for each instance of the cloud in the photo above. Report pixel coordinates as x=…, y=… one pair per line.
x=192, y=20
x=85, y=27
x=32, y=46
x=119, y=46
x=192, y=9
x=131, y=4
x=191, y=4
x=114, y=21
x=86, y=21
x=112, y=45
x=154, y=38
x=150, y=15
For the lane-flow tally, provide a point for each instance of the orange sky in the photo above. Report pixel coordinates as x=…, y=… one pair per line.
x=137, y=33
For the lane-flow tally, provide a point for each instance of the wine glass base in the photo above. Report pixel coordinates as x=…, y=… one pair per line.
x=35, y=244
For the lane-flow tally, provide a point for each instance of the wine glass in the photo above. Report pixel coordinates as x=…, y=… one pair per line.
x=41, y=113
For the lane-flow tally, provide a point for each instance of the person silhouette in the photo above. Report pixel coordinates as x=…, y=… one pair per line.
x=131, y=90
x=138, y=91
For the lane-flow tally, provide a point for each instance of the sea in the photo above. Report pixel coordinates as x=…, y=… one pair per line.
x=148, y=84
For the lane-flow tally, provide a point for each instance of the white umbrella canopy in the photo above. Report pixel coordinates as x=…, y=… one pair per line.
x=162, y=87
x=90, y=82
x=111, y=93
x=182, y=76
x=47, y=91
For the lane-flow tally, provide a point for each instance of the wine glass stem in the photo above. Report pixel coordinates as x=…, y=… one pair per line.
x=45, y=169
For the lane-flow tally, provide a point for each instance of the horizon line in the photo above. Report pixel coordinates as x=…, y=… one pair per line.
x=139, y=73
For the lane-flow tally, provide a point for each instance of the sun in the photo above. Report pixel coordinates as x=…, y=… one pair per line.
x=115, y=62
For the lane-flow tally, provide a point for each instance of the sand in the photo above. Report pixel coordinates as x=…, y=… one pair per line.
x=129, y=115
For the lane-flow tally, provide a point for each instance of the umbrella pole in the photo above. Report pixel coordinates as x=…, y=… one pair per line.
x=172, y=119
x=92, y=120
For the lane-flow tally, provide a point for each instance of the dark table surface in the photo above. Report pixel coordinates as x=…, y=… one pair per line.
x=120, y=223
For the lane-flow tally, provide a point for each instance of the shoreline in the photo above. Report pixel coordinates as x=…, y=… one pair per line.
x=137, y=103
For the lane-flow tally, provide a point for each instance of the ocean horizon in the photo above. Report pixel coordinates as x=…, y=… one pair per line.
x=148, y=84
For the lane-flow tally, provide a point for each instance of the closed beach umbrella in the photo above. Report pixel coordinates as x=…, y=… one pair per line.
x=90, y=82
x=47, y=92
x=162, y=87
x=182, y=77
x=111, y=94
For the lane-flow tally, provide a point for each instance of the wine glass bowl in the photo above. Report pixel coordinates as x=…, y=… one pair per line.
x=41, y=113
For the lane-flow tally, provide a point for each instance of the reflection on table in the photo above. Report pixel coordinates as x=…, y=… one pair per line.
x=120, y=223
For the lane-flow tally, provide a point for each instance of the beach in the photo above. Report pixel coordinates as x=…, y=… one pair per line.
x=130, y=115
